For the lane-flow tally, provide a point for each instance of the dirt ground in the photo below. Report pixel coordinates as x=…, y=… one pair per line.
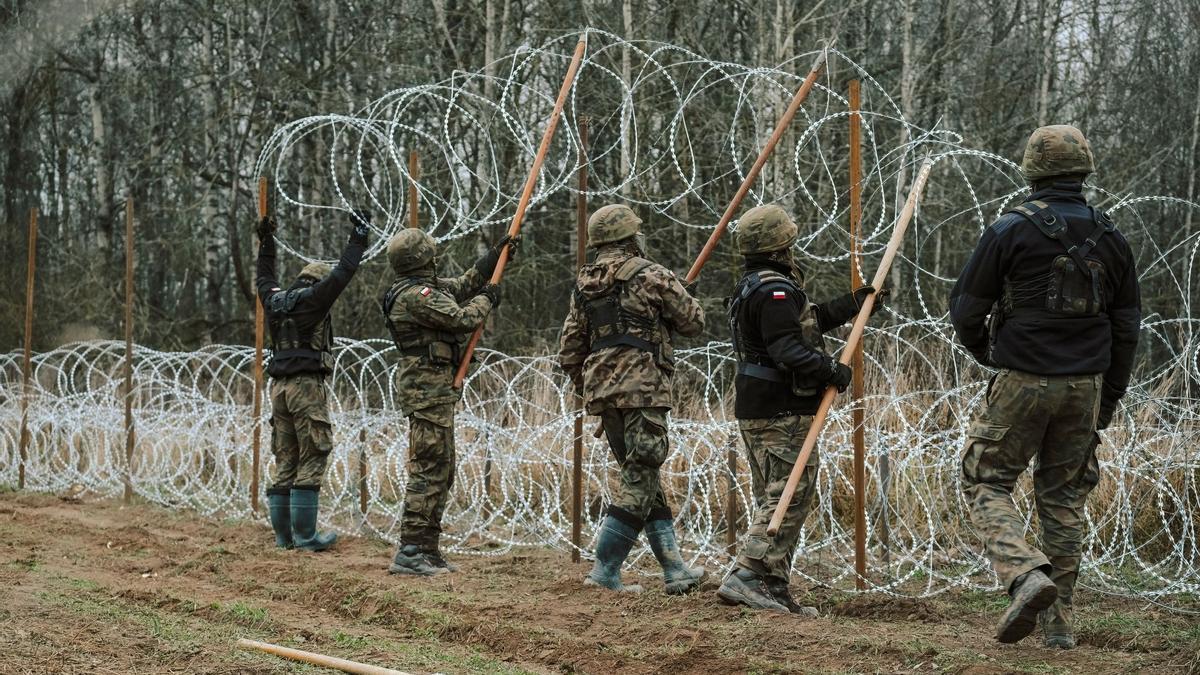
x=91, y=586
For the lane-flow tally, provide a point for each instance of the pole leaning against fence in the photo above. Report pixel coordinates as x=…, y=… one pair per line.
x=414, y=171
x=130, y=438
x=852, y=342
x=259, y=329
x=581, y=216
x=515, y=228
x=780, y=127
x=27, y=362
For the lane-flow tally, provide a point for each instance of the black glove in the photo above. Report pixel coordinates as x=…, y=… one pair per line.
x=1105, y=417
x=492, y=291
x=266, y=228
x=837, y=374
x=860, y=296
x=486, y=264
x=360, y=221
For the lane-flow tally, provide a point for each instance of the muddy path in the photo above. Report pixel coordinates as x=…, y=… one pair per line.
x=94, y=587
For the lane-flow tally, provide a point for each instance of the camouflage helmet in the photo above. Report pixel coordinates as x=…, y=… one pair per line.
x=610, y=223
x=316, y=271
x=411, y=249
x=1055, y=151
x=764, y=229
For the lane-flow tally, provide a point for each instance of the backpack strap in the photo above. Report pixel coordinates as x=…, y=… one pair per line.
x=1043, y=216
x=631, y=268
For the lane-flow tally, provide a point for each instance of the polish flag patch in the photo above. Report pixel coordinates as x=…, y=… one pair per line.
x=779, y=295
x=426, y=291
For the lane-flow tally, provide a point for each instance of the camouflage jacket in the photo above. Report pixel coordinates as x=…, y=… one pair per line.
x=624, y=376
x=434, y=317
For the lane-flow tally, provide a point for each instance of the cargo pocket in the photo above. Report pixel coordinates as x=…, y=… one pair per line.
x=983, y=445
x=321, y=431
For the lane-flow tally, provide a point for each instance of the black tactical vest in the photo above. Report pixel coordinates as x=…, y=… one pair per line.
x=610, y=323
x=753, y=358
x=416, y=340
x=289, y=341
x=1074, y=285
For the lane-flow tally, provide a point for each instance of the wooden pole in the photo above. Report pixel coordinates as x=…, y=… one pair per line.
x=515, y=228
x=414, y=171
x=315, y=659
x=856, y=332
x=744, y=189
x=581, y=216
x=27, y=362
x=857, y=362
x=259, y=330
x=129, y=430
x=731, y=509
x=362, y=469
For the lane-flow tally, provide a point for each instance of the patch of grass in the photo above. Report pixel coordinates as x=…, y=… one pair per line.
x=246, y=615
x=983, y=601
x=347, y=641
x=1131, y=632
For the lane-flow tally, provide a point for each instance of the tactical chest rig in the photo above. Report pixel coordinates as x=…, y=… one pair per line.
x=611, y=324
x=288, y=341
x=440, y=347
x=753, y=360
x=1075, y=284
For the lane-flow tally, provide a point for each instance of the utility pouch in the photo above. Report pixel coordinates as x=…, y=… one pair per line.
x=1074, y=293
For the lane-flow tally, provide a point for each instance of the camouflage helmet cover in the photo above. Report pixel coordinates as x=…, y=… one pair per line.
x=1055, y=151
x=411, y=249
x=316, y=271
x=610, y=223
x=764, y=229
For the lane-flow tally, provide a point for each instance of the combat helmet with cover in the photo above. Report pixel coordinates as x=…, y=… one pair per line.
x=315, y=271
x=612, y=223
x=764, y=229
x=1056, y=150
x=411, y=249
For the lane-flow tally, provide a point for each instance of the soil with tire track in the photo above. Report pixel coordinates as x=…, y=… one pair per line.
x=96, y=587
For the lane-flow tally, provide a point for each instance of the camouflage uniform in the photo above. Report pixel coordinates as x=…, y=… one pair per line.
x=616, y=346
x=1061, y=321
x=301, y=433
x=430, y=319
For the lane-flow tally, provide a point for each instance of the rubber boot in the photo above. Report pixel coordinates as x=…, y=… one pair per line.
x=778, y=588
x=612, y=547
x=304, y=522
x=677, y=577
x=744, y=587
x=415, y=560
x=279, y=505
x=1031, y=593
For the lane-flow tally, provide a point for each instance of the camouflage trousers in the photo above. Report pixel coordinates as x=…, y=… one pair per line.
x=301, y=436
x=638, y=440
x=1052, y=419
x=772, y=447
x=431, y=464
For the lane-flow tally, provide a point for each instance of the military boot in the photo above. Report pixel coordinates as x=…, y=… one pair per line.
x=279, y=506
x=436, y=557
x=678, y=577
x=778, y=588
x=416, y=560
x=1056, y=626
x=744, y=587
x=1031, y=593
x=612, y=547
x=304, y=507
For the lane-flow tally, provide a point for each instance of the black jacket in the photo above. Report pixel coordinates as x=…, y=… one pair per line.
x=310, y=311
x=771, y=336
x=1035, y=339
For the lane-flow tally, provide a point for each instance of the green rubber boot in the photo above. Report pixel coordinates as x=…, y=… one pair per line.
x=677, y=576
x=612, y=547
x=304, y=509
x=279, y=506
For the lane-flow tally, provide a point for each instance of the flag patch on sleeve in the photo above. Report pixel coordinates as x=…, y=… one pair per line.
x=426, y=291
x=779, y=295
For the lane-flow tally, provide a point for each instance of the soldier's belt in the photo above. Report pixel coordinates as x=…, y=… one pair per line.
x=761, y=372
x=625, y=341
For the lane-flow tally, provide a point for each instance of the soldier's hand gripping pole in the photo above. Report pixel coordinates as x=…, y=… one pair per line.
x=856, y=333
x=515, y=228
x=781, y=127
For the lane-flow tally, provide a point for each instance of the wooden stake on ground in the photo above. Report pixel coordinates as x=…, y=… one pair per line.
x=129, y=430
x=316, y=659
x=856, y=332
x=27, y=362
x=414, y=171
x=259, y=329
x=581, y=216
x=515, y=228
x=780, y=127
x=856, y=385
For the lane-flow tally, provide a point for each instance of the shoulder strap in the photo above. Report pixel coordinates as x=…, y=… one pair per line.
x=388, y=300
x=1039, y=213
x=632, y=267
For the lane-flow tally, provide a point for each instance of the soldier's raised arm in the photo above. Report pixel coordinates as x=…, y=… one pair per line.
x=327, y=290
x=680, y=310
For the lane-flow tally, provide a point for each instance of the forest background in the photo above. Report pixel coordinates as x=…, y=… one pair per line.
x=171, y=102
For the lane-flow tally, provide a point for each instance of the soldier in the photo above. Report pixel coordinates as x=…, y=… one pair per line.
x=301, y=358
x=616, y=348
x=783, y=369
x=430, y=319
x=1060, y=283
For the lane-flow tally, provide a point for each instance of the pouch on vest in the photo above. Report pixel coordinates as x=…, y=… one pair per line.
x=1076, y=284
